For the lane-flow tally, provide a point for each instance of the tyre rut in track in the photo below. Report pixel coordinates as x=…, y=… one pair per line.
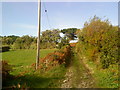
x=78, y=75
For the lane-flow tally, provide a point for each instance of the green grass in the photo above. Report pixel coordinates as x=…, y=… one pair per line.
x=105, y=78
x=22, y=59
x=78, y=70
x=81, y=73
x=36, y=79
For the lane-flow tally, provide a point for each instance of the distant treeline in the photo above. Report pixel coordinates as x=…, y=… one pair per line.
x=48, y=39
x=98, y=42
x=16, y=42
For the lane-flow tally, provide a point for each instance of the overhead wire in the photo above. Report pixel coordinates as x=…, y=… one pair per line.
x=47, y=15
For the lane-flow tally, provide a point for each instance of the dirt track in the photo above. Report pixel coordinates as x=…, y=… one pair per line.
x=78, y=75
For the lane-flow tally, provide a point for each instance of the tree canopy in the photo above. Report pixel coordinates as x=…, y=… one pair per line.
x=50, y=36
x=70, y=33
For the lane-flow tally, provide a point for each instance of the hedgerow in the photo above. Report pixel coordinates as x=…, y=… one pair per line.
x=98, y=41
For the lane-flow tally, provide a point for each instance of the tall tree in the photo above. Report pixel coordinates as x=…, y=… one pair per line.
x=50, y=36
x=70, y=33
x=8, y=40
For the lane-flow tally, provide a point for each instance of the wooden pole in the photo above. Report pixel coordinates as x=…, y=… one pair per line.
x=38, y=40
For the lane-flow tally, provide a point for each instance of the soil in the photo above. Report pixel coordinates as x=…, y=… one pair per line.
x=78, y=75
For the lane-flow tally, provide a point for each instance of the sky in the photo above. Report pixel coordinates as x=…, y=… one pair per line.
x=20, y=18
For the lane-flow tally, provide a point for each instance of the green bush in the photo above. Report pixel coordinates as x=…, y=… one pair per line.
x=64, y=42
x=47, y=45
x=4, y=48
x=33, y=46
x=98, y=41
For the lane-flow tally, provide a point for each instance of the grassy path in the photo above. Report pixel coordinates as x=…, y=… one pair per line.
x=78, y=75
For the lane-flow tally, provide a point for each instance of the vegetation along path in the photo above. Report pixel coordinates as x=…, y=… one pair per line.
x=78, y=75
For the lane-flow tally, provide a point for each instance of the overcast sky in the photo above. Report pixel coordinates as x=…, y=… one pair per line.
x=20, y=18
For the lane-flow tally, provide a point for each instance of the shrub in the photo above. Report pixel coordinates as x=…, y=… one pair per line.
x=33, y=46
x=4, y=48
x=56, y=58
x=98, y=42
x=6, y=69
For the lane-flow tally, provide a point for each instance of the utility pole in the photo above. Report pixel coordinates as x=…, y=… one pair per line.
x=38, y=40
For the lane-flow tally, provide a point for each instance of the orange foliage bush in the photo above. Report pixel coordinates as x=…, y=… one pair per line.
x=56, y=58
x=73, y=44
x=5, y=70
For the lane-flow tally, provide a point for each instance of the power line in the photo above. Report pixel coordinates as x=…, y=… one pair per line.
x=47, y=15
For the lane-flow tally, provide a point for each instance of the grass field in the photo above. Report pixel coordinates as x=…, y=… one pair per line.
x=23, y=58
